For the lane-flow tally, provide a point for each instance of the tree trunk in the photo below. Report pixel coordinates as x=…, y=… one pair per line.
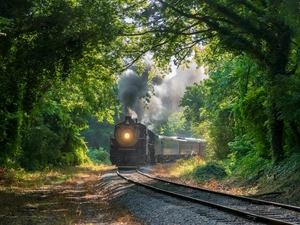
x=296, y=138
x=276, y=124
x=276, y=135
x=10, y=144
x=279, y=54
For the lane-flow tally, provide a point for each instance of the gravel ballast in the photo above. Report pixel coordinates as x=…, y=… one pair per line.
x=157, y=209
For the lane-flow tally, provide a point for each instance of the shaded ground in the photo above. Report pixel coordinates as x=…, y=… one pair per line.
x=78, y=201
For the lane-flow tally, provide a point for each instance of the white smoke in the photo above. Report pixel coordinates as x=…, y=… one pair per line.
x=132, y=113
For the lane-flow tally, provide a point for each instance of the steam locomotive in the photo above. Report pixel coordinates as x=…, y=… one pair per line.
x=132, y=145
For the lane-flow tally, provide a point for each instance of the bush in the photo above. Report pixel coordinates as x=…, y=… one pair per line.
x=40, y=148
x=241, y=146
x=13, y=175
x=99, y=156
x=208, y=171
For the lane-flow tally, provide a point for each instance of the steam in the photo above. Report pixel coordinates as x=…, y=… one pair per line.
x=132, y=113
x=166, y=97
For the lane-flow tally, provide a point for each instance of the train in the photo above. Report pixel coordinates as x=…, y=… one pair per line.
x=133, y=145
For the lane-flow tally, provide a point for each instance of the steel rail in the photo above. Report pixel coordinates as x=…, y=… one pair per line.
x=249, y=216
x=253, y=200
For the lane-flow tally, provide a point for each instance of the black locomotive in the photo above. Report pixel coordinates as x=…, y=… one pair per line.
x=132, y=144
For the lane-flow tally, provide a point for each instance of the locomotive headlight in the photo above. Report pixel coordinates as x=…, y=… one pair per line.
x=127, y=136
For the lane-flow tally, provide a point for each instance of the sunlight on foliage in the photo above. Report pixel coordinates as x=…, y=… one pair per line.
x=185, y=168
x=200, y=170
x=99, y=156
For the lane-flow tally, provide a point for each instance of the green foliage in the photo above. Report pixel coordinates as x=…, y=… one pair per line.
x=215, y=107
x=5, y=25
x=185, y=168
x=254, y=119
x=10, y=151
x=58, y=61
x=99, y=156
x=288, y=102
x=198, y=169
x=193, y=102
x=61, y=117
x=43, y=148
x=192, y=162
x=14, y=175
x=261, y=32
x=40, y=148
x=233, y=106
x=208, y=171
x=241, y=146
x=176, y=125
x=287, y=167
x=222, y=132
x=97, y=134
x=248, y=166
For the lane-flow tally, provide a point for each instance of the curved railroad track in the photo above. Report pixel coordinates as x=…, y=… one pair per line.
x=252, y=209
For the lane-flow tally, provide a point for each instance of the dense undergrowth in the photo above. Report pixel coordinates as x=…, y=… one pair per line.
x=254, y=175
x=18, y=176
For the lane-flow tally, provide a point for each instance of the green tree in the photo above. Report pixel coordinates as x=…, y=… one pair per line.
x=62, y=113
x=99, y=156
x=176, y=125
x=226, y=89
x=259, y=29
x=232, y=105
x=98, y=134
x=5, y=25
x=42, y=47
x=193, y=102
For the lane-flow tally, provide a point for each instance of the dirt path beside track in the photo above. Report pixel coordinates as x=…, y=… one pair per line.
x=78, y=201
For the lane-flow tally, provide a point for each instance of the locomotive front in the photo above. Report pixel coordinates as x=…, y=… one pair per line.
x=127, y=134
x=128, y=146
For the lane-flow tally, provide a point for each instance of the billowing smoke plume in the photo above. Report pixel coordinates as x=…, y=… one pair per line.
x=167, y=93
x=132, y=89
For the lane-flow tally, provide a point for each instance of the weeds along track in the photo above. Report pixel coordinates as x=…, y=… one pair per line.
x=238, y=206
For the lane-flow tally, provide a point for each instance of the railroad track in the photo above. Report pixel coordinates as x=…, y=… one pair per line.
x=252, y=209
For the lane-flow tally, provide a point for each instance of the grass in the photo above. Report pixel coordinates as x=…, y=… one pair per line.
x=201, y=173
x=252, y=177
x=19, y=178
x=198, y=169
x=61, y=196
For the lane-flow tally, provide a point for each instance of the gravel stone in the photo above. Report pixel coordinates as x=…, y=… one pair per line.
x=157, y=209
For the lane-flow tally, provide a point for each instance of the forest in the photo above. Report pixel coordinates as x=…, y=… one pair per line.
x=61, y=63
